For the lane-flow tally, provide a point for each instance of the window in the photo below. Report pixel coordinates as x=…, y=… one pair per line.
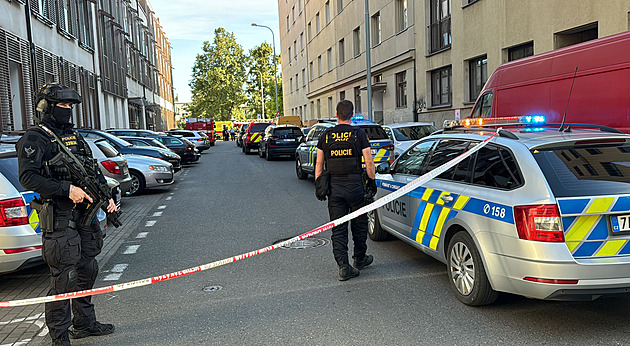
x=319, y=108
x=401, y=15
x=478, y=74
x=289, y=54
x=319, y=66
x=342, y=53
x=290, y=84
x=301, y=41
x=576, y=35
x=520, y=51
x=64, y=8
x=309, y=32
x=304, y=77
x=288, y=24
x=42, y=8
x=293, y=14
x=317, y=27
x=339, y=6
x=440, y=27
x=327, y=8
x=357, y=100
x=444, y=152
x=376, y=29
x=85, y=23
x=356, y=41
x=297, y=82
x=331, y=109
x=300, y=6
x=312, y=72
x=330, y=60
x=496, y=167
x=483, y=108
x=441, y=93
x=342, y=96
x=295, y=49
x=412, y=161
x=312, y=109
x=401, y=89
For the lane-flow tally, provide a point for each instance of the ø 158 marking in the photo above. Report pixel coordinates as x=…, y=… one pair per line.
x=494, y=211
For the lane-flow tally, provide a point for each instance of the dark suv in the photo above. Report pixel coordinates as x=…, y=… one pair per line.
x=279, y=140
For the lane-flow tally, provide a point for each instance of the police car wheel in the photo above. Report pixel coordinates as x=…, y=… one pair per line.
x=467, y=273
x=298, y=170
x=375, y=231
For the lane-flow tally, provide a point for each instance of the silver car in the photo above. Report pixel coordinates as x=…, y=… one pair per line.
x=147, y=172
x=403, y=135
x=198, y=138
x=111, y=162
x=536, y=212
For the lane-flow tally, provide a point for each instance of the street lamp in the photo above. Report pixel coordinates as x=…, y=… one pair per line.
x=262, y=94
x=275, y=67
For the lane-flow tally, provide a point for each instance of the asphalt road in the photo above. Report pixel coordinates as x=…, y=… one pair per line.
x=230, y=203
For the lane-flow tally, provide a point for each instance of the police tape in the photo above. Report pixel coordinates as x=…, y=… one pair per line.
x=144, y=282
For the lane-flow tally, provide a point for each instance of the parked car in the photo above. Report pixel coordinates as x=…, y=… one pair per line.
x=404, y=135
x=117, y=193
x=253, y=135
x=280, y=140
x=535, y=212
x=195, y=150
x=199, y=138
x=145, y=142
x=239, y=134
x=112, y=164
x=126, y=148
x=147, y=172
x=185, y=150
x=134, y=132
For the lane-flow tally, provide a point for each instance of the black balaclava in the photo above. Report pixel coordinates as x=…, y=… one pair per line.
x=61, y=115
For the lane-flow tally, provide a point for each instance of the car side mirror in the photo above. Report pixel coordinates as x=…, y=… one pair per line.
x=383, y=168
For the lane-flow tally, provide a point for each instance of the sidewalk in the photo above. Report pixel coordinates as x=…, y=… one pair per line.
x=21, y=325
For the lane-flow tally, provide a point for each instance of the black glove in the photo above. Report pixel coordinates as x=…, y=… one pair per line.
x=371, y=186
x=322, y=186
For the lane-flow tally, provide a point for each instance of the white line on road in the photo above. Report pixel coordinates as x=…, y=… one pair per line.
x=131, y=249
x=157, y=213
x=142, y=235
x=168, y=198
x=162, y=207
x=172, y=193
x=119, y=268
x=150, y=223
x=18, y=320
x=112, y=277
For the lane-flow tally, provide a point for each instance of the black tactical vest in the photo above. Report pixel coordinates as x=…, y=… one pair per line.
x=342, y=151
x=76, y=145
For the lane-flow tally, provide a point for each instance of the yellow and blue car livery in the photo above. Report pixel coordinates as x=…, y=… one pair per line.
x=33, y=218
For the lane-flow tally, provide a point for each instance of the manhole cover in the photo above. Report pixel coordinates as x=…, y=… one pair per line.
x=212, y=288
x=307, y=243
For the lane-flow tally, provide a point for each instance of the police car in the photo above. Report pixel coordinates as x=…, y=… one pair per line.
x=306, y=154
x=535, y=212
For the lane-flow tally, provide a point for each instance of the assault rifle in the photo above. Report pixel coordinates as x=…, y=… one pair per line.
x=88, y=182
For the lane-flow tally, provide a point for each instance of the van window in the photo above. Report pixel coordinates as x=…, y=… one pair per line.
x=586, y=170
x=412, y=161
x=483, y=109
x=496, y=167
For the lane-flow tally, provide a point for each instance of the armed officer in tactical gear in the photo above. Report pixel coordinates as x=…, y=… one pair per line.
x=342, y=148
x=69, y=247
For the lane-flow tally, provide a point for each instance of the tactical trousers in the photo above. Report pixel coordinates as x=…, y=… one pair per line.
x=70, y=252
x=346, y=196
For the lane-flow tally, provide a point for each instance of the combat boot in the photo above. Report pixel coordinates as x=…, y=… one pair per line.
x=346, y=272
x=363, y=262
x=96, y=329
x=62, y=340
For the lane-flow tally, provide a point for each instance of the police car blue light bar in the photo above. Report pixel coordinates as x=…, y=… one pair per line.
x=481, y=122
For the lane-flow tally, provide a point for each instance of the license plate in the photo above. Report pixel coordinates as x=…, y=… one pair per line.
x=620, y=224
x=374, y=151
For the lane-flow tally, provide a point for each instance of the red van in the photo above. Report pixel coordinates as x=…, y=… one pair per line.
x=540, y=84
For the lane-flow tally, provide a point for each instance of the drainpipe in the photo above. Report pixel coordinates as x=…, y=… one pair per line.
x=415, y=89
x=29, y=34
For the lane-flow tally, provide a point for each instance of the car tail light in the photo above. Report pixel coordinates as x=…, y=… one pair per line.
x=388, y=147
x=22, y=249
x=538, y=222
x=189, y=148
x=13, y=212
x=551, y=281
x=200, y=139
x=111, y=166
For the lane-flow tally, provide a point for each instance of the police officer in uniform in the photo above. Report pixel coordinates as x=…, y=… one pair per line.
x=342, y=148
x=68, y=248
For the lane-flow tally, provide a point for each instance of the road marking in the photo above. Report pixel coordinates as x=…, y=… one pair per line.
x=131, y=249
x=142, y=235
x=177, y=188
x=162, y=207
x=168, y=198
x=172, y=193
x=19, y=343
x=112, y=277
x=150, y=223
x=157, y=213
x=23, y=319
x=119, y=268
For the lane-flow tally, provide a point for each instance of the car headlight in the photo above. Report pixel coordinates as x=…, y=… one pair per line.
x=159, y=168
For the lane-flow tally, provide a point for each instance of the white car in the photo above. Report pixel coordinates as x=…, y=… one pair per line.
x=403, y=135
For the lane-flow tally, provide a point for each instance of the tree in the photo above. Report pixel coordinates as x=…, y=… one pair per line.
x=261, y=59
x=218, y=77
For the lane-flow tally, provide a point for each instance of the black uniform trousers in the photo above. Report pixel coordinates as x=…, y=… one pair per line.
x=70, y=254
x=346, y=196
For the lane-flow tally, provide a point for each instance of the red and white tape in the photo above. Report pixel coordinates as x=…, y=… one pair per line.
x=372, y=206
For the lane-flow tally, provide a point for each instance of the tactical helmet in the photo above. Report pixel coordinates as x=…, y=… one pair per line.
x=51, y=94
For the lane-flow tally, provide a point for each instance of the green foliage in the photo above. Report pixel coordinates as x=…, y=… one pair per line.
x=260, y=59
x=218, y=77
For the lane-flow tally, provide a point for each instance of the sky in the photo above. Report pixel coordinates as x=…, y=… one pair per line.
x=188, y=23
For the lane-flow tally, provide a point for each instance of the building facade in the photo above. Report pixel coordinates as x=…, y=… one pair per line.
x=429, y=58
x=100, y=49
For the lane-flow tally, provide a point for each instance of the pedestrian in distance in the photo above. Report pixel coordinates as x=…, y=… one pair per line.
x=70, y=241
x=225, y=134
x=341, y=148
x=232, y=134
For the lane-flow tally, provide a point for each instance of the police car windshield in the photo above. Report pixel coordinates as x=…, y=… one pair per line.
x=374, y=132
x=9, y=168
x=586, y=170
x=412, y=133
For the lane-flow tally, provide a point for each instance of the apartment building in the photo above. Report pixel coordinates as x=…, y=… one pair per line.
x=105, y=50
x=429, y=58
